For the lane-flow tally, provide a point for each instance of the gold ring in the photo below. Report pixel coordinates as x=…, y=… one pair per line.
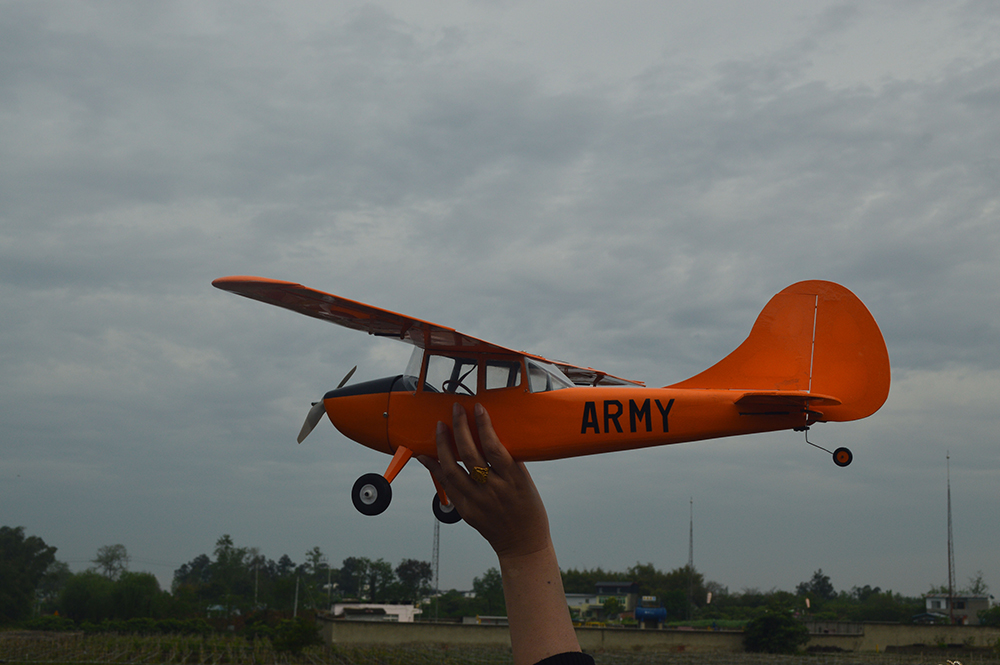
x=479, y=474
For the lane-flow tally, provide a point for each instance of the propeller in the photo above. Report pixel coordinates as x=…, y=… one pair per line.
x=317, y=410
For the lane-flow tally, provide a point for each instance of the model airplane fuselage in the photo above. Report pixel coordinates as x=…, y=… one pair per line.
x=815, y=354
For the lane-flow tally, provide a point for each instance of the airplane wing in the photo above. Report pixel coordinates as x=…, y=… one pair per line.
x=383, y=323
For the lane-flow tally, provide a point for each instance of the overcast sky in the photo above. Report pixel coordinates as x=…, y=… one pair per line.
x=619, y=185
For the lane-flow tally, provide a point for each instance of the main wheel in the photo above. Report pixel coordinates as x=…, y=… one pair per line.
x=371, y=494
x=842, y=456
x=447, y=514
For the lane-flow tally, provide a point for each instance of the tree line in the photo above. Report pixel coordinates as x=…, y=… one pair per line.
x=686, y=595
x=240, y=581
x=233, y=581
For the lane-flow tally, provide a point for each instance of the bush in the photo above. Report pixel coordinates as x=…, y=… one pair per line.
x=294, y=635
x=990, y=617
x=50, y=622
x=775, y=633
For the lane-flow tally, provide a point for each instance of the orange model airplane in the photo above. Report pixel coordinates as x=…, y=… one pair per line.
x=815, y=354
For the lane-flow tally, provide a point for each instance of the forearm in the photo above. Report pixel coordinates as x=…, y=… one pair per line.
x=540, y=625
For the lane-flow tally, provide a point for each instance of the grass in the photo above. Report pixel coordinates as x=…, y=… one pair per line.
x=34, y=648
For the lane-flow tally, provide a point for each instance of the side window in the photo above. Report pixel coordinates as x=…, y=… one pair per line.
x=502, y=374
x=451, y=375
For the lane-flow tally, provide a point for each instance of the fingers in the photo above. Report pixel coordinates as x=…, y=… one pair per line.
x=465, y=443
x=459, y=445
x=493, y=450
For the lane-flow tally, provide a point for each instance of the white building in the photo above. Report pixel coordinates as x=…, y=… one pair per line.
x=375, y=612
x=964, y=608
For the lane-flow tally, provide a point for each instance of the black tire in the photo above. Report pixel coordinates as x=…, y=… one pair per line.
x=371, y=494
x=447, y=514
x=842, y=457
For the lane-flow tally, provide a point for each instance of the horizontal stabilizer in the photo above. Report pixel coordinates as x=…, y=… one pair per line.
x=785, y=398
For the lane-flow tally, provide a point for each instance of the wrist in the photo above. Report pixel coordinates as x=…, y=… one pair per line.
x=524, y=549
x=539, y=560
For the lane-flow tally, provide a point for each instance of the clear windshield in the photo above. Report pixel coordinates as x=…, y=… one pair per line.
x=413, y=366
x=543, y=377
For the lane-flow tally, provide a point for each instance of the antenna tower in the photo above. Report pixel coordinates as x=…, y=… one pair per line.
x=951, y=548
x=435, y=562
x=691, y=557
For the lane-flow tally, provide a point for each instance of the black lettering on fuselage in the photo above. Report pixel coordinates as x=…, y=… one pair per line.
x=614, y=410
x=590, y=418
x=612, y=416
x=664, y=412
x=636, y=414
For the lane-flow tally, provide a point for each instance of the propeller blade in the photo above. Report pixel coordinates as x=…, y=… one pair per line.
x=312, y=419
x=317, y=410
x=347, y=378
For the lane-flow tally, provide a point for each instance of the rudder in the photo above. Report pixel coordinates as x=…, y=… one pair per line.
x=812, y=337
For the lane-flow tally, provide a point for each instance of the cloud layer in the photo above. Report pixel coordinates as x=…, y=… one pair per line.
x=623, y=190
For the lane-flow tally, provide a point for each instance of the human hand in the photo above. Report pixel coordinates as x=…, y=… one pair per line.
x=507, y=509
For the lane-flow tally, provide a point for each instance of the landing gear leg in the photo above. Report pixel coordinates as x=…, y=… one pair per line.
x=841, y=456
x=371, y=494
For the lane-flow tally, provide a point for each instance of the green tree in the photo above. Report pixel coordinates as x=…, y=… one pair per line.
x=414, y=578
x=316, y=562
x=23, y=562
x=353, y=576
x=111, y=560
x=862, y=594
x=138, y=596
x=231, y=579
x=88, y=596
x=612, y=607
x=977, y=586
x=489, y=592
x=774, y=633
x=57, y=575
x=316, y=575
x=380, y=579
x=584, y=581
x=671, y=588
x=194, y=573
x=818, y=588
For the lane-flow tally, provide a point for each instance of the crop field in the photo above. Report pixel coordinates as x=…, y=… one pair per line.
x=59, y=648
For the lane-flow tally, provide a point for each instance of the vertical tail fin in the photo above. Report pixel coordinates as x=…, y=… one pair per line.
x=813, y=337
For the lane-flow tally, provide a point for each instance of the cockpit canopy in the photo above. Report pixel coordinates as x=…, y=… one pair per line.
x=469, y=374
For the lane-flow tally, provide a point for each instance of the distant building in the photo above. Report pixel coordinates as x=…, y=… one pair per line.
x=591, y=605
x=375, y=612
x=964, y=608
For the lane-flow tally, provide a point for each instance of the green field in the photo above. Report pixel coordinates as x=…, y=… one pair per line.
x=54, y=648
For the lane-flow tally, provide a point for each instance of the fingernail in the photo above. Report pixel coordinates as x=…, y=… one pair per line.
x=442, y=428
x=479, y=409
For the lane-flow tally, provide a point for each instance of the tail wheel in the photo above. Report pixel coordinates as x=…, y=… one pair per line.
x=842, y=456
x=371, y=494
x=447, y=514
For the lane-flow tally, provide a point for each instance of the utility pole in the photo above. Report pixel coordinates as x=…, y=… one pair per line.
x=951, y=548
